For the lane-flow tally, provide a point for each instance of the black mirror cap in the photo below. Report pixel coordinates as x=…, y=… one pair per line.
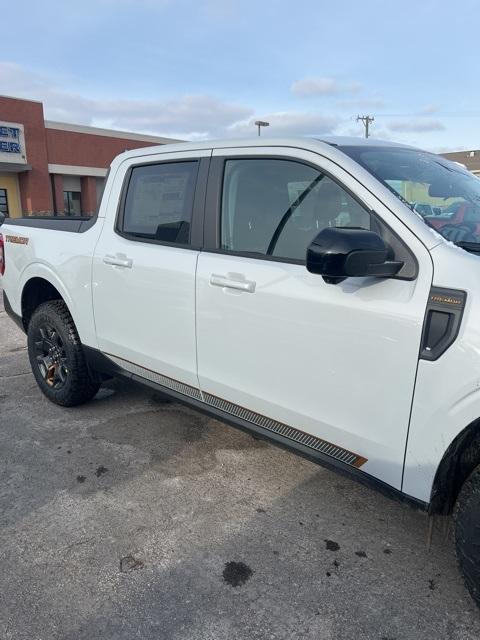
x=2, y=218
x=343, y=252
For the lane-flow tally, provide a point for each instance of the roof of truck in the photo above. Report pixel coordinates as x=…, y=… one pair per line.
x=352, y=141
x=309, y=143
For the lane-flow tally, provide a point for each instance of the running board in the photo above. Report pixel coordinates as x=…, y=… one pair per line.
x=269, y=424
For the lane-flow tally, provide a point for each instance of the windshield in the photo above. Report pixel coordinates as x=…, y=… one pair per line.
x=443, y=193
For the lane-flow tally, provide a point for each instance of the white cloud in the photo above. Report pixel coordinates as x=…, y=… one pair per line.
x=288, y=123
x=429, y=109
x=419, y=125
x=449, y=149
x=382, y=134
x=362, y=103
x=189, y=117
x=314, y=87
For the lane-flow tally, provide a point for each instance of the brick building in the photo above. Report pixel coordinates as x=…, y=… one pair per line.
x=471, y=159
x=55, y=168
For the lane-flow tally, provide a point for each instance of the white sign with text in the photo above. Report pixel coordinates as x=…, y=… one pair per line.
x=12, y=143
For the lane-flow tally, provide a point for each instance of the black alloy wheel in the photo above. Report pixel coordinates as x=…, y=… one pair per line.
x=50, y=356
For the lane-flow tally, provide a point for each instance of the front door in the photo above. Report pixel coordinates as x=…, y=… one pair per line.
x=277, y=344
x=144, y=271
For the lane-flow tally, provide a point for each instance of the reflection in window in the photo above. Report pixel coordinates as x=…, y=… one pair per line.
x=443, y=193
x=159, y=201
x=277, y=207
x=72, y=203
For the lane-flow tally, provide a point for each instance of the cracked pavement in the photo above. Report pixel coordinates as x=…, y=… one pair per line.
x=133, y=517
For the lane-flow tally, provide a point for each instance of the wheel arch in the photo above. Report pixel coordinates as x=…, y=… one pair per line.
x=457, y=463
x=35, y=292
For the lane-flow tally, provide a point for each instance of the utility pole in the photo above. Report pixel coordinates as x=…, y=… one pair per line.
x=261, y=123
x=366, y=122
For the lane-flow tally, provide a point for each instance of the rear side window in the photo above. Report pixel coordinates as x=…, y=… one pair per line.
x=277, y=207
x=159, y=201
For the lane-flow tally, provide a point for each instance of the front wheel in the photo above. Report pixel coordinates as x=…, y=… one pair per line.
x=56, y=356
x=467, y=533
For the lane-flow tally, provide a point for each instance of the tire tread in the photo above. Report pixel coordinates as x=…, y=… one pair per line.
x=81, y=387
x=466, y=517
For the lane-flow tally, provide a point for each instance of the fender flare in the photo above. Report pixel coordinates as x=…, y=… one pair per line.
x=460, y=458
x=41, y=270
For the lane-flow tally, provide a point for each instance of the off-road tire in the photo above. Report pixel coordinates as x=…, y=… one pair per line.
x=467, y=533
x=78, y=386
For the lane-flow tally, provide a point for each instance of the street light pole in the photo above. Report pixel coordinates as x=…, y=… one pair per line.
x=261, y=123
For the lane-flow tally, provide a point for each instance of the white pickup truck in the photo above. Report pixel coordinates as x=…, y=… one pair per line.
x=286, y=287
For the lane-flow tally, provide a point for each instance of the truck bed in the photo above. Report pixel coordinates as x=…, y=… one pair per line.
x=74, y=224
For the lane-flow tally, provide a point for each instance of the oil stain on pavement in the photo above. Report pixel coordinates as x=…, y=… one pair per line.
x=236, y=573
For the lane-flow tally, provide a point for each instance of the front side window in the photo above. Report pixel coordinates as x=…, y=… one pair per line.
x=72, y=203
x=4, y=202
x=443, y=193
x=277, y=207
x=159, y=202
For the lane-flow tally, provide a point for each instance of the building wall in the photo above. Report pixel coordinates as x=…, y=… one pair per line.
x=86, y=150
x=57, y=193
x=35, y=190
x=471, y=159
x=100, y=188
x=71, y=146
x=59, y=155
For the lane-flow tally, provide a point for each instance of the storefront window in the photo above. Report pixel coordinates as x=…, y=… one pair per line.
x=72, y=203
x=3, y=202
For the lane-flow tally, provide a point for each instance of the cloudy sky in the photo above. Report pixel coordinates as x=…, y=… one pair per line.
x=209, y=68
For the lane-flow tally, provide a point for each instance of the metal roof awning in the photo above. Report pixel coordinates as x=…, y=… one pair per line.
x=14, y=167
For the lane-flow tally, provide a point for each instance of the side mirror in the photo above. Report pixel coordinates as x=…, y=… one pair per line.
x=2, y=218
x=338, y=253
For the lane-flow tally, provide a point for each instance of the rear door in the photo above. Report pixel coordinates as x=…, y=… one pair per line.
x=144, y=268
x=332, y=367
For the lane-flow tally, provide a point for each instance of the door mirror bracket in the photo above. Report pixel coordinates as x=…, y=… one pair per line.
x=338, y=253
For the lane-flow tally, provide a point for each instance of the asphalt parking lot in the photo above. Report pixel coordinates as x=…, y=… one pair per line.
x=132, y=517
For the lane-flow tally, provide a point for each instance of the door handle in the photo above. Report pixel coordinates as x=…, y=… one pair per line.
x=118, y=261
x=239, y=285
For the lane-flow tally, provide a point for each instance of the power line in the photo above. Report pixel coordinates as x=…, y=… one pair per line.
x=464, y=114
x=366, y=122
